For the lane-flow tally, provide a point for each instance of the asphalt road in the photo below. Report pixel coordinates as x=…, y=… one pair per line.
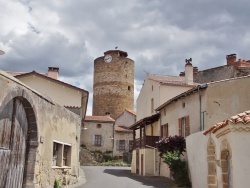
x=120, y=177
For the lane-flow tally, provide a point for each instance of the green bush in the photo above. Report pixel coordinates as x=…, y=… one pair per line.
x=57, y=184
x=178, y=168
x=171, y=149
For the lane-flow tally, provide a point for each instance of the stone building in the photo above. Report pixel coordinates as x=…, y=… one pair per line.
x=113, y=87
x=156, y=90
x=123, y=137
x=233, y=68
x=67, y=95
x=98, y=133
x=35, y=149
x=196, y=110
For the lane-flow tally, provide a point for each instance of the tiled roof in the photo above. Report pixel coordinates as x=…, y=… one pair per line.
x=122, y=129
x=72, y=107
x=46, y=77
x=169, y=80
x=131, y=111
x=239, y=118
x=236, y=78
x=10, y=77
x=145, y=121
x=99, y=118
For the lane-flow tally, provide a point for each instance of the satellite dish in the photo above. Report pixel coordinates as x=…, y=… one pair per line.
x=2, y=52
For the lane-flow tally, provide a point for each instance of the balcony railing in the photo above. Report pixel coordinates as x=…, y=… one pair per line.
x=145, y=141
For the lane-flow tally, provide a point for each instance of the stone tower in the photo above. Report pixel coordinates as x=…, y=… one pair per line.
x=113, y=87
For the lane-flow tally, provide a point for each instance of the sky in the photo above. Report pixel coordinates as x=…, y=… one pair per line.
x=157, y=34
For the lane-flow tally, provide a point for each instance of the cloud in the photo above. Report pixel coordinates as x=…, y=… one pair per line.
x=158, y=35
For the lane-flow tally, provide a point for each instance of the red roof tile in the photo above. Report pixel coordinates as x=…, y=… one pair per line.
x=239, y=118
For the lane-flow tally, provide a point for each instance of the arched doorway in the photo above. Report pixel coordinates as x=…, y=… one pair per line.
x=18, y=143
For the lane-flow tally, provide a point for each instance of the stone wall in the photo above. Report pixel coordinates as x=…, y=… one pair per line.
x=215, y=74
x=113, y=85
x=47, y=122
x=106, y=132
x=220, y=73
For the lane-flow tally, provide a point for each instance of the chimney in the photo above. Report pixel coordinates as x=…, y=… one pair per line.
x=182, y=74
x=231, y=59
x=53, y=72
x=189, y=77
x=195, y=70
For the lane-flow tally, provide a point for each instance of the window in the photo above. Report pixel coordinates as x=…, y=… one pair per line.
x=66, y=155
x=152, y=105
x=164, y=131
x=152, y=88
x=61, y=154
x=98, y=140
x=184, y=128
x=122, y=145
x=129, y=88
x=164, y=111
x=98, y=126
x=183, y=105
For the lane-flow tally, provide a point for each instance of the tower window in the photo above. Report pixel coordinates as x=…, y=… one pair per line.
x=99, y=125
x=129, y=88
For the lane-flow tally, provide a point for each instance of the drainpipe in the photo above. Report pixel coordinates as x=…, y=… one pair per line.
x=200, y=106
x=202, y=86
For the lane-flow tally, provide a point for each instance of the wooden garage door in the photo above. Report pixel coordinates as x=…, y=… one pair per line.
x=13, y=135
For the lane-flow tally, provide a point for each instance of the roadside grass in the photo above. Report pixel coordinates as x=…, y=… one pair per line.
x=108, y=163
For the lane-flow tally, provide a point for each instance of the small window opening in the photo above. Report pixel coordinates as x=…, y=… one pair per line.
x=183, y=105
x=129, y=88
x=99, y=126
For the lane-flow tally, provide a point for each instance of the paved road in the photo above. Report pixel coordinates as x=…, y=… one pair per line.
x=120, y=177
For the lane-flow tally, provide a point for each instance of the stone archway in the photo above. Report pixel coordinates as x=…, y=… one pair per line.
x=225, y=168
x=211, y=164
x=18, y=131
x=226, y=155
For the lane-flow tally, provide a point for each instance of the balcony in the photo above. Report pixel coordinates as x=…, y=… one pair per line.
x=145, y=141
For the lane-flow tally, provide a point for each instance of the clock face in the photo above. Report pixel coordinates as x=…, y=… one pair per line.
x=108, y=58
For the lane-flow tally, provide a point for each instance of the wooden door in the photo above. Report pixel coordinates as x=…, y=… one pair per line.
x=13, y=135
x=137, y=161
x=142, y=163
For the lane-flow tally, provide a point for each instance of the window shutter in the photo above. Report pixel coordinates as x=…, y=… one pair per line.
x=93, y=140
x=187, y=126
x=102, y=140
x=126, y=145
x=117, y=145
x=166, y=134
x=180, y=131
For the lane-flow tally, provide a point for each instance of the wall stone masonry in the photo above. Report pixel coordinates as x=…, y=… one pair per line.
x=113, y=87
